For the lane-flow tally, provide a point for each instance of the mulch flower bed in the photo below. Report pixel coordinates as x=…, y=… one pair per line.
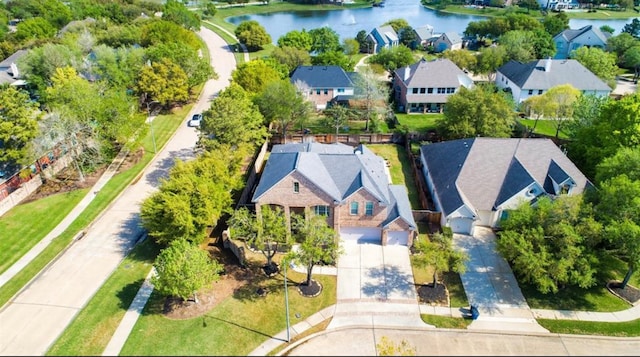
x=629, y=293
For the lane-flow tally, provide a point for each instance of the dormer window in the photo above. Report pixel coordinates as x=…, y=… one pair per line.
x=296, y=187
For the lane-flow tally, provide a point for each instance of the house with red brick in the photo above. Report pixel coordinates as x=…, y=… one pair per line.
x=348, y=185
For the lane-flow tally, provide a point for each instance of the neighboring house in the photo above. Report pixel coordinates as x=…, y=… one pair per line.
x=448, y=41
x=425, y=86
x=349, y=185
x=382, y=37
x=572, y=39
x=321, y=84
x=476, y=181
x=9, y=73
x=424, y=37
x=557, y=5
x=525, y=80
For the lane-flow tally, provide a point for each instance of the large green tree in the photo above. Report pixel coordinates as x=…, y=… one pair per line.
x=393, y=58
x=160, y=31
x=318, y=243
x=34, y=29
x=19, y=118
x=556, y=23
x=291, y=57
x=479, y=111
x=334, y=58
x=193, y=197
x=552, y=245
x=163, y=81
x=264, y=231
x=182, y=269
x=324, y=39
x=300, y=39
x=197, y=69
x=601, y=63
x=283, y=104
x=488, y=60
x=619, y=208
x=525, y=46
x=464, y=59
x=372, y=96
x=252, y=34
x=254, y=75
x=232, y=119
x=615, y=126
x=559, y=104
x=175, y=11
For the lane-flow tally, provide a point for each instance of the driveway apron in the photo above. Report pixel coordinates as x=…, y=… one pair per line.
x=375, y=287
x=491, y=286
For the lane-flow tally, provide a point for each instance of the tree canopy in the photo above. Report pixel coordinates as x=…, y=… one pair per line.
x=182, y=269
x=283, y=104
x=254, y=75
x=393, y=58
x=194, y=196
x=479, y=111
x=601, y=63
x=252, y=34
x=18, y=125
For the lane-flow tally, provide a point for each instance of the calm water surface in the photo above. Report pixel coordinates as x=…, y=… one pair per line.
x=348, y=22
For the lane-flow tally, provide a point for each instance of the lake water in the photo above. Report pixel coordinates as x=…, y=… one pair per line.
x=348, y=22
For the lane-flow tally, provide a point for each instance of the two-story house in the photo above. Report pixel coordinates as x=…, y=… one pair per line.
x=524, y=80
x=425, y=86
x=571, y=39
x=348, y=185
x=476, y=181
x=321, y=84
x=448, y=41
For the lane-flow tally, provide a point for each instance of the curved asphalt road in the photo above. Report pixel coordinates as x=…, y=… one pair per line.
x=38, y=314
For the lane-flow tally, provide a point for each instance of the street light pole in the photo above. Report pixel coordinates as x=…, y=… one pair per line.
x=286, y=299
x=150, y=121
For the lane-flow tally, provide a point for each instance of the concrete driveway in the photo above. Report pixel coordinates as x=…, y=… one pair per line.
x=375, y=287
x=490, y=284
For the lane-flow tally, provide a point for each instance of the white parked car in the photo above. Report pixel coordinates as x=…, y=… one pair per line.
x=195, y=120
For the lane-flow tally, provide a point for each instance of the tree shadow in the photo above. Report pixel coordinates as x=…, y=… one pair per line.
x=127, y=294
x=388, y=280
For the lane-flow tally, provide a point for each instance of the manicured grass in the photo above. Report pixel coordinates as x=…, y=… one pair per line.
x=91, y=330
x=224, y=12
x=446, y=321
x=418, y=123
x=235, y=327
x=544, y=127
x=164, y=126
x=618, y=329
x=400, y=168
x=26, y=224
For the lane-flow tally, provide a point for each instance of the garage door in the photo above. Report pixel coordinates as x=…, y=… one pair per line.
x=361, y=235
x=397, y=237
x=461, y=225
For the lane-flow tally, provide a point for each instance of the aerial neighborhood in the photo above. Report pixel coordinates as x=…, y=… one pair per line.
x=176, y=181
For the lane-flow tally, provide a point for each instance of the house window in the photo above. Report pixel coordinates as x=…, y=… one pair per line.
x=353, y=209
x=539, y=91
x=321, y=210
x=530, y=91
x=318, y=91
x=429, y=90
x=340, y=90
x=368, y=209
x=326, y=91
x=414, y=90
x=441, y=90
x=451, y=90
x=311, y=92
x=296, y=187
x=423, y=90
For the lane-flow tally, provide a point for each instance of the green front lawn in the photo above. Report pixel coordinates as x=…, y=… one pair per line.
x=544, y=127
x=399, y=168
x=163, y=127
x=418, y=123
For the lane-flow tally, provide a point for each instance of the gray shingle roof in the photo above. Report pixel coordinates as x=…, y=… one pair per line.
x=570, y=34
x=485, y=170
x=532, y=75
x=322, y=76
x=453, y=37
x=440, y=72
x=339, y=170
x=424, y=32
x=388, y=33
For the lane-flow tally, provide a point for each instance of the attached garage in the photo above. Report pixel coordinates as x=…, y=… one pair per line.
x=361, y=234
x=461, y=225
x=397, y=237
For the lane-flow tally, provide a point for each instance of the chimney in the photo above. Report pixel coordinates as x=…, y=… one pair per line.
x=407, y=73
x=547, y=65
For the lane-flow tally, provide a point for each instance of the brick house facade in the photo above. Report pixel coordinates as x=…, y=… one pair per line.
x=348, y=185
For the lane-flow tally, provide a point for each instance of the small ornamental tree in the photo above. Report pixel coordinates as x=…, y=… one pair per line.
x=439, y=254
x=264, y=232
x=182, y=269
x=319, y=243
